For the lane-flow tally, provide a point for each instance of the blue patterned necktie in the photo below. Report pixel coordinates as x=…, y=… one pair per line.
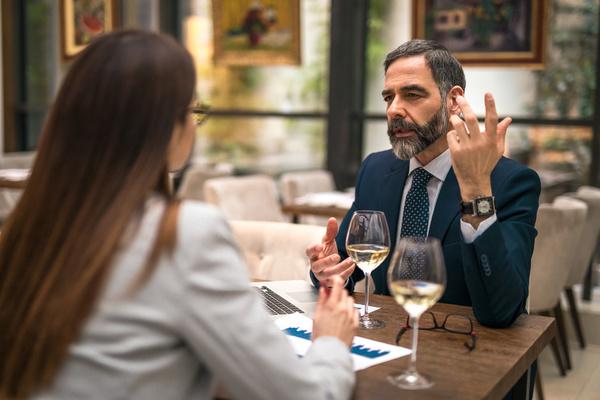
x=415, y=216
x=415, y=219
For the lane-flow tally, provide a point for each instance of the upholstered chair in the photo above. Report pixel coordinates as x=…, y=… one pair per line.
x=192, y=184
x=559, y=227
x=586, y=248
x=247, y=198
x=276, y=250
x=296, y=184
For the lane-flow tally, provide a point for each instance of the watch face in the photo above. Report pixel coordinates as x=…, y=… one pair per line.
x=484, y=206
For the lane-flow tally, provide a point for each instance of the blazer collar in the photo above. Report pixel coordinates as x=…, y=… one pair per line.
x=392, y=194
x=446, y=208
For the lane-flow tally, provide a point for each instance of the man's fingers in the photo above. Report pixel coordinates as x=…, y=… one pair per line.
x=469, y=115
x=320, y=265
x=501, y=134
x=452, y=140
x=312, y=252
x=347, y=272
x=503, y=126
x=337, y=269
x=491, y=116
x=331, y=231
x=460, y=130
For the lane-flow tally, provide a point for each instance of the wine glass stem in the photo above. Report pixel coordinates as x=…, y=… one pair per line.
x=366, y=314
x=414, y=322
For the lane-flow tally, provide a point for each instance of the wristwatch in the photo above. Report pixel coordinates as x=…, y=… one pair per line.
x=479, y=207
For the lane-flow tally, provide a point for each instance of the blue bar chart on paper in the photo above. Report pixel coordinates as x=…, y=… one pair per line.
x=365, y=352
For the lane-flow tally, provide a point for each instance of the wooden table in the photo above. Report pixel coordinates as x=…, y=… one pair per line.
x=499, y=360
x=322, y=211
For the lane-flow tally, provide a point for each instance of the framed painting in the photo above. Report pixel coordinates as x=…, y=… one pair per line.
x=252, y=32
x=485, y=32
x=81, y=20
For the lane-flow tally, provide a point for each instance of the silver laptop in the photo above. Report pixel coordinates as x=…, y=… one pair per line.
x=287, y=297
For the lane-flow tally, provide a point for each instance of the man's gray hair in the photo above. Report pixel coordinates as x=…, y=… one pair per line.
x=445, y=68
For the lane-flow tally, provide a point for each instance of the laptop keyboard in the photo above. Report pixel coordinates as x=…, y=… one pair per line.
x=276, y=304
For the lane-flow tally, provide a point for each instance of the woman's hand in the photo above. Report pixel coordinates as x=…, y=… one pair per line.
x=335, y=314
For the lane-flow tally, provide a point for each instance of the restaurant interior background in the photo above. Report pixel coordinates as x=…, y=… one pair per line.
x=326, y=112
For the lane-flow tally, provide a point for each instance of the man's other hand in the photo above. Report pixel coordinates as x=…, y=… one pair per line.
x=325, y=260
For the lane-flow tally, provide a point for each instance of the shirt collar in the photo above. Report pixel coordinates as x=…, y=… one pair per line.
x=438, y=167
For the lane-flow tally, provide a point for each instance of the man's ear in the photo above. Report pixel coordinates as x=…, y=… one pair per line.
x=453, y=108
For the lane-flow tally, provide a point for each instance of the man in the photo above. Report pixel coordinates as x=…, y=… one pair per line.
x=444, y=178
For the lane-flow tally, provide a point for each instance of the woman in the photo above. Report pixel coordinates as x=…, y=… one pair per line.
x=111, y=289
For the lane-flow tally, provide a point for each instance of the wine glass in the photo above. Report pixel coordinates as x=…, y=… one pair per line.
x=368, y=244
x=417, y=279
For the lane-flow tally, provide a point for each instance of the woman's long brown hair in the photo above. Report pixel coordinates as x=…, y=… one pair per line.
x=102, y=151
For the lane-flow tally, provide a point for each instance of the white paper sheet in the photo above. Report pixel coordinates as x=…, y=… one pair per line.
x=361, y=308
x=365, y=352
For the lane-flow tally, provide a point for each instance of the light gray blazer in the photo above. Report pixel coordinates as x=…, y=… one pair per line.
x=195, y=323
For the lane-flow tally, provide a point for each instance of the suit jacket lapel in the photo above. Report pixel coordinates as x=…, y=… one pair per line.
x=392, y=195
x=446, y=208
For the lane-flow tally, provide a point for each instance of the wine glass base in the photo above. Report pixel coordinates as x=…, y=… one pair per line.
x=410, y=380
x=365, y=322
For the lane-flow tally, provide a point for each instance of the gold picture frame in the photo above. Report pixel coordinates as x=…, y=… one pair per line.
x=82, y=20
x=251, y=32
x=510, y=34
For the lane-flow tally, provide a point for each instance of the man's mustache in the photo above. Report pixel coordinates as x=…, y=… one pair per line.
x=403, y=125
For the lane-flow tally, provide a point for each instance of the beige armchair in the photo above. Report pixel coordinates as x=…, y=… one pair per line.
x=248, y=198
x=192, y=184
x=276, y=250
x=10, y=197
x=296, y=184
x=559, y=228
x=586, y=248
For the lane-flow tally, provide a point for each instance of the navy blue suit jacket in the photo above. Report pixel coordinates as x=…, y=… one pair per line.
x=492, y=273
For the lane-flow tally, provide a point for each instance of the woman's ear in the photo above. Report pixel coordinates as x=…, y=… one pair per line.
x=453, y=108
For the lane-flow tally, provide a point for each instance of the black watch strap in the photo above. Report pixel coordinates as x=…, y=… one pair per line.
x=479, y=207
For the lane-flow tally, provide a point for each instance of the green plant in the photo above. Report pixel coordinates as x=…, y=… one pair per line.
x=565, y=87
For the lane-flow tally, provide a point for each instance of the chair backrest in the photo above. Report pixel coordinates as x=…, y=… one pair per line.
x=192, y=185
x=248, y=198
x=559, y=227
x=296, y=184
x=8, y=200
x=586, y=245
x=17, y=160
x=276, y=250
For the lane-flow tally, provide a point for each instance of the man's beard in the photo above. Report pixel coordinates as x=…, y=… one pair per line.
x=406, y=147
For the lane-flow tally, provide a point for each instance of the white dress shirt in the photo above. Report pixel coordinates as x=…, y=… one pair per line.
x=439, y=168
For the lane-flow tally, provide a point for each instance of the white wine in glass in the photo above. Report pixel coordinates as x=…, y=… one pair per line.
x=368, y=244
x=417, y=279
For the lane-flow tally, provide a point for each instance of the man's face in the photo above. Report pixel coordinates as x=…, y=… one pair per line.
x=416, y=114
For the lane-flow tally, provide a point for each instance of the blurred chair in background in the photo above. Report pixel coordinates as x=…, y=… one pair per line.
x=316, y=188
x=247, y=198
x=14, y=164
x=296, y=184
x=559, y=227
x=192, y=183
x=276, y=250
x=584, y=254
x=17, y=160
x=592, y=277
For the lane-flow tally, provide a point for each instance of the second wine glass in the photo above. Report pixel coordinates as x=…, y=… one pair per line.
x=417, y=279
x=368, y=244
